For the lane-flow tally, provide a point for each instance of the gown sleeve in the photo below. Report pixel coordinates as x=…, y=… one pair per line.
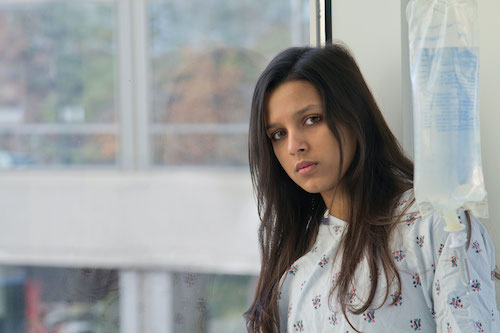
x=463, y=290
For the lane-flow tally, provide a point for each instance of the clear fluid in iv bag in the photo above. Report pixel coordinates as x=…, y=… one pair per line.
x=448, y=171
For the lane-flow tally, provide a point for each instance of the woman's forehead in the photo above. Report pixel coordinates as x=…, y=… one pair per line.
x=291, y=98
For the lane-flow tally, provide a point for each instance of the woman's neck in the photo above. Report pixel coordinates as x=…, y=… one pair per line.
x=338, y=205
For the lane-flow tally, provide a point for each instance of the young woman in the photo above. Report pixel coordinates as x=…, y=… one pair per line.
x=344, y=248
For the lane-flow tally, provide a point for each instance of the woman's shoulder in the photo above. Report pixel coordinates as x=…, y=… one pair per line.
x=407, y=212
x=417, y=231
x=405, y=198
x=425, y=229
x=406, y=208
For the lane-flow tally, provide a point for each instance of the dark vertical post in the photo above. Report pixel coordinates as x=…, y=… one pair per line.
x=328, y=21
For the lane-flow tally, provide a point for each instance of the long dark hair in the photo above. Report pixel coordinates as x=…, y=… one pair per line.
x=290, y=217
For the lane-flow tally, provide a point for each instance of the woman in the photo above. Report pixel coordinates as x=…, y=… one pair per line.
x=319, y=146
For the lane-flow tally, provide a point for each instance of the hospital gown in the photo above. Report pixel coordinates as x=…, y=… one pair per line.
x=443, y=289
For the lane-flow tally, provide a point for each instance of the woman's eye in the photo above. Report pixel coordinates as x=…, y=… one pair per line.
x=277, y=135
x=312, y=120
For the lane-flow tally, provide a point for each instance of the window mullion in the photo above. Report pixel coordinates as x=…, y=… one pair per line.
x=130, y=295
x=141, y=78
x=125, y=87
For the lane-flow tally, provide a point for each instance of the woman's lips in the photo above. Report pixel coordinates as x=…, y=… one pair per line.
x=304, y=168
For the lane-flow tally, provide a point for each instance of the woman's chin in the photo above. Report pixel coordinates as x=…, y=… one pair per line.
x=312, y=188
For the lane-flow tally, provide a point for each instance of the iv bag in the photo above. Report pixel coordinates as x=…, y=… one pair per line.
x=444, y=70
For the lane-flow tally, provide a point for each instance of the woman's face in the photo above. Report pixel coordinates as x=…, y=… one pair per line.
x=301, y=139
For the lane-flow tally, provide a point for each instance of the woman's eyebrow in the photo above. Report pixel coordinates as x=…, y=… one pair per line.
x=297, y=114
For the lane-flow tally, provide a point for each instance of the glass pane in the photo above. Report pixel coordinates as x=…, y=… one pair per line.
x=25, y=150
x=209, y=303
x=205, y=59
x=43, y=299
x=84, y=300
x=57, y=61
x=179, y=149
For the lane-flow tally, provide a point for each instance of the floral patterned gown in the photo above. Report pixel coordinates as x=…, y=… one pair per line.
x=443, y=289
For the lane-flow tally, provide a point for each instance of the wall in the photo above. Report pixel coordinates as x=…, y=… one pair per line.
x=489, y=29
x=375, y=41
x=376, y=32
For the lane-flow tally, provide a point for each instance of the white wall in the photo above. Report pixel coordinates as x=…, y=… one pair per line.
x=489, y=26
x=374, y=30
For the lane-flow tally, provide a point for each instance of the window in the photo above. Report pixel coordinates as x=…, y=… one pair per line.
x=123, y=130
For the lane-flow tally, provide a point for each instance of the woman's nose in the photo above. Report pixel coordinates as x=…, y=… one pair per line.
x=296, y=143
